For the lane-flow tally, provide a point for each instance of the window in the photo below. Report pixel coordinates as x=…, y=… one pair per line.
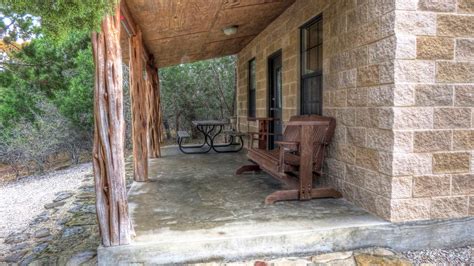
x=312, y=66
x=252, y=89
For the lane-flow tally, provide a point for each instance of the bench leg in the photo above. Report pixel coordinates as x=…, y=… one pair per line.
x=247, y=168
x=294, y=194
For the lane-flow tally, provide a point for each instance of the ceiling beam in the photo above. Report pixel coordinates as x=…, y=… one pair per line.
x=128, y=23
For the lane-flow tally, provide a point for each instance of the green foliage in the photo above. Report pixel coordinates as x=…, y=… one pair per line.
x=60, y=17
x=46, y=83
x=63, y=72
x=46, y=99
x=201, y=90
x=16, y=26
x=16, y=104
x=76, y=102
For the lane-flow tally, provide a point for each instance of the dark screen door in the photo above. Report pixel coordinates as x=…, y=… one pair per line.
x=275, y=98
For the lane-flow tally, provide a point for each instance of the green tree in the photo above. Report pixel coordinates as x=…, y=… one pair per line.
x=16, y=104
x=46, y=77
x=57, y=17
x=76, y=100
x=200, y=90
x=63, y=72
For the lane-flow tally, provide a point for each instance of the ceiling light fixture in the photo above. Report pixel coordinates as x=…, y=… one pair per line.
x=231, y=30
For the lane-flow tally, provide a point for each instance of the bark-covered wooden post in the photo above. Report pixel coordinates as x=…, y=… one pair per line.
x=160, y=127
x=138, y=93
x=154, y=121
x=109, y=133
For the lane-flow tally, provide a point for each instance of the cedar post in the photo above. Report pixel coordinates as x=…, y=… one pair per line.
x=154, y=119
x=138, y=94
x=109, y=134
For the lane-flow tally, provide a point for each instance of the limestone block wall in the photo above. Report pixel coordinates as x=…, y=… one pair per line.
x=398, y=77
x=282, y=34
x=358, y=53
x=433, y=162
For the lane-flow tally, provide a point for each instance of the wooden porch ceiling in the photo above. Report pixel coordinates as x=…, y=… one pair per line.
x=183, y=31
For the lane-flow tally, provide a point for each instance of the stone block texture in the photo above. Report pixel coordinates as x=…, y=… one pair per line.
x=444, y=129
x=398, y=76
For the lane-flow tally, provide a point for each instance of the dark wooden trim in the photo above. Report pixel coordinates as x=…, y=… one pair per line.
x=249, y=86
x=277, y=53
x=312, y=20
x=270, y=58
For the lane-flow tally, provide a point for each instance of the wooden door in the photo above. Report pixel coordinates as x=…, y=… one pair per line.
x=275, y=98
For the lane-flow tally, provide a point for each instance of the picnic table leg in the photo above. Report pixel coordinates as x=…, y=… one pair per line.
x=205, y=131
x=231, y=143
x=211, y=135
x=214, y=146
x=183, y=148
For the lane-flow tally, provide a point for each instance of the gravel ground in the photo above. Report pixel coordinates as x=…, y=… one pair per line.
x=458, y=256
x=22, y=200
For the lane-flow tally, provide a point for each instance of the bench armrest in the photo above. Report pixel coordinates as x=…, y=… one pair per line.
x=260, y=118
x=284, y=142
x=262, y=133
x=288, y=146
x=259, y=136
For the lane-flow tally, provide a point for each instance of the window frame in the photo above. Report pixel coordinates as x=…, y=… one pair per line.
x=303, y=50
x=251, y=112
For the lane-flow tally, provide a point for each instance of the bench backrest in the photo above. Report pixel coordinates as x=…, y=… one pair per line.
x=322, y=135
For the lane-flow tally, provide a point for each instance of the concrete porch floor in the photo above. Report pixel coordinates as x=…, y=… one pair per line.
x=196, y=210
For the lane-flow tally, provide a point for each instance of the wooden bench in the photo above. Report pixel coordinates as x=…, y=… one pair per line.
x=298, y=157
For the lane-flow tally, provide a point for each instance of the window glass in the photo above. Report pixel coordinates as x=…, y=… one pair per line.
x=311, y=66
x=311, y=39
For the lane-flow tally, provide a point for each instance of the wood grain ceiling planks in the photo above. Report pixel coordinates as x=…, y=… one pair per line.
x=183, y=31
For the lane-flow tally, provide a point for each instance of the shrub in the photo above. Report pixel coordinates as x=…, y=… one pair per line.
x=31, y=143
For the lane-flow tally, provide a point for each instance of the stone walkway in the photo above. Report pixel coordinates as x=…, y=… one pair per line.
x=22, y=200
x=65, y=233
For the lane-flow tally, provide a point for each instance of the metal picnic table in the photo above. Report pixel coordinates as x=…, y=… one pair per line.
x=210, y=129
